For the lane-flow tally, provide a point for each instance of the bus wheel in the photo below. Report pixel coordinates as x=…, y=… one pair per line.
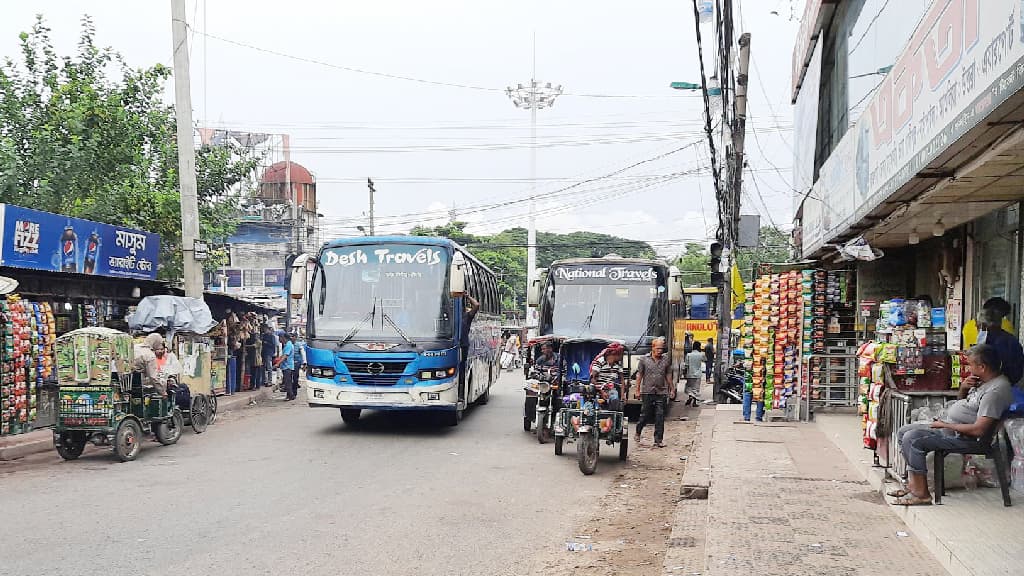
x=454, y=417
x=350, y=415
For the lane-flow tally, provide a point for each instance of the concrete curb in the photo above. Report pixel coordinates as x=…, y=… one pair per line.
x=685, y=554
x=696, y=479
x=21, y=445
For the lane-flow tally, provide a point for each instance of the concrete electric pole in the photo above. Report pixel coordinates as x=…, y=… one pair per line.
x=193, y=271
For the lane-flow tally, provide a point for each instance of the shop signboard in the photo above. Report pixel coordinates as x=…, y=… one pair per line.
x=43, y=241
x=965, y=58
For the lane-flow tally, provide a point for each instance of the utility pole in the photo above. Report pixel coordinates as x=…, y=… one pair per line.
x=369, y=184
x=193, y=271
x=534, y=96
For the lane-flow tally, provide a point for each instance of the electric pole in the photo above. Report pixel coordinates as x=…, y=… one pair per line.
x=535, y=96
x=369, y=184
x=193, y=271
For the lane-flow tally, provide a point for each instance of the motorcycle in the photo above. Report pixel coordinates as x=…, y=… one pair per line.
x=544, y=383
x=732, y=389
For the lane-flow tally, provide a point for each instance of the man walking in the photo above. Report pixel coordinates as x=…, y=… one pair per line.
x=693, y=374
x=653, y=382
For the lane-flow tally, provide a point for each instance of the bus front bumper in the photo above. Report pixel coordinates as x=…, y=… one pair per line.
x=441, y=396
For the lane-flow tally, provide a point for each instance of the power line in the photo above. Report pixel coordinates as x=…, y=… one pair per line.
x=391, y=76
x=707, y=110
x=868, y=29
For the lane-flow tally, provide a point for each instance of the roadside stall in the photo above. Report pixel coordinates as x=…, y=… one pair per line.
x=64, y=274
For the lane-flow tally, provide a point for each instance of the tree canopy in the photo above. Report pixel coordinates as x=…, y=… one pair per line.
x=90, y=137
x=505, y=252
x=773, y=246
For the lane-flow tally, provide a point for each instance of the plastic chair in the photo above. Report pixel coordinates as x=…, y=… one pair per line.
x=987, y=447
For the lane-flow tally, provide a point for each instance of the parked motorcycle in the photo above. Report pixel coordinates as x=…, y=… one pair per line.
x=732, y=389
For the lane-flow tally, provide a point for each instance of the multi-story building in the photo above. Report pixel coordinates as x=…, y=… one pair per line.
x=908, y=136
x=281, y=220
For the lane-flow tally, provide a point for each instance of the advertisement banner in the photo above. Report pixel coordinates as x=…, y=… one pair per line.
x=965, y=58
x=605, y=274
x=43, y=241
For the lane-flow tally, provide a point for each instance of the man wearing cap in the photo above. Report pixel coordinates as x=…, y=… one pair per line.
x=145, y=362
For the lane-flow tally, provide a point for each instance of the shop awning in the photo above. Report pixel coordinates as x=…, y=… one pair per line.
x=71, y=286
x=221, y=303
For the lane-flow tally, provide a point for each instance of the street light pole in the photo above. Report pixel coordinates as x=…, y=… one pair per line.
x=534, y=96
x=193, y=271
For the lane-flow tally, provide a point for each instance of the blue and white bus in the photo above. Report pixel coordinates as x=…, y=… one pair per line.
x=385, y=319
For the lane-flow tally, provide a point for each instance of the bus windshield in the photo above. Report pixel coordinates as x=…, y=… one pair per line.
x=617, y=302
x=370, y=289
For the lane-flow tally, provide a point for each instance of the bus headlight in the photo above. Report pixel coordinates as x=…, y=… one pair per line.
x=437, y=373
x=321, y=372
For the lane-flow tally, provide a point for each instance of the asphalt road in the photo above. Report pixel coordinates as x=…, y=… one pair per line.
x=286, y=489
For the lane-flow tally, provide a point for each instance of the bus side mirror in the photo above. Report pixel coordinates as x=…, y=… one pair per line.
x=299, y=282
x=533, y=294
x=457, y=275
x=675, y=284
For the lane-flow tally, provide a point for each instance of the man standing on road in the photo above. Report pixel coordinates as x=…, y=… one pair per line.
x=653, y=383
x=268, y=349
x=288, y=367
x=709, y=359
x=693, y=374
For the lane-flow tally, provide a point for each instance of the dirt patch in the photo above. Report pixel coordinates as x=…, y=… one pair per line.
x=629, y=528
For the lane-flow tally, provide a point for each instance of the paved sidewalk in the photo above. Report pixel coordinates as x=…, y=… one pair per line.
x=971, y=533
x=784, y=501
x=21, y=445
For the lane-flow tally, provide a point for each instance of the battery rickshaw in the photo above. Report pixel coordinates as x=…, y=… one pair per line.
x=589, y=415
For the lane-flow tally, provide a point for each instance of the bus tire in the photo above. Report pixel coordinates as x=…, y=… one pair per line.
x=454, y=417
x=350, y=416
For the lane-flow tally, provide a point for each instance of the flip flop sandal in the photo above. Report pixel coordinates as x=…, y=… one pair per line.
x=911, y=500
x=898, y=493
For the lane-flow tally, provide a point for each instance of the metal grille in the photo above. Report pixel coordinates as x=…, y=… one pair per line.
x=375, y=373
x=74, y=408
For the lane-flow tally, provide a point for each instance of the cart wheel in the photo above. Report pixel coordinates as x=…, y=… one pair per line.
x=199, y=414
x=624, y=449
x=586, y=454
x=169, y=431
x=559, y=441
x=70, y=445
x=127, y=440
x=211, y=417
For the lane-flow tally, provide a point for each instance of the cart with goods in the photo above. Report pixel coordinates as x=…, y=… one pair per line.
x=103, y=402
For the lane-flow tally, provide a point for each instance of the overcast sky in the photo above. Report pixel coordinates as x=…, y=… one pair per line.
x=431, y=147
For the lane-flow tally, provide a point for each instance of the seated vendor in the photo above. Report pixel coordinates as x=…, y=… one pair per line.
x=606, y=374
x=983, y=399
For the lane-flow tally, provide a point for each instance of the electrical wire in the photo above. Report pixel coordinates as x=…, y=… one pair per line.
x=868, y=29
x=707, y=109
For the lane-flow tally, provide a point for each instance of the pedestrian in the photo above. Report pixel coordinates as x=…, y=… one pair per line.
x=709, y=359
x=288, y=366
x=653, y=383
x=268, y=350
x=693, y=373
x=1006, y=345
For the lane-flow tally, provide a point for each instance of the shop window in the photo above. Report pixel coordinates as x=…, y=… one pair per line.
x=997, y=259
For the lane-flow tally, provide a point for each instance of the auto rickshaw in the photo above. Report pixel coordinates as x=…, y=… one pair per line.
x=103, y=402
x=589, y=415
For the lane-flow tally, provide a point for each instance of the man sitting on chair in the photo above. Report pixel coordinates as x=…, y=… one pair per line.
x=983, y=399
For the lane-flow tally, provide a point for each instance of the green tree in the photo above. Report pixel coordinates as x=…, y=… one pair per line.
x=90, y=137
x=774, y=246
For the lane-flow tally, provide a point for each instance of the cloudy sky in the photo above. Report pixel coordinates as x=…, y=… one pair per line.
x=411, y=93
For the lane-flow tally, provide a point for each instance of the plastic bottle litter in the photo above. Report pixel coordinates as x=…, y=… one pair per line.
x=579, y=547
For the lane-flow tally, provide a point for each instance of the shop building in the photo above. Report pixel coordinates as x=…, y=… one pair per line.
x=908, y=140
x=908, y=121
x=70, y=273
